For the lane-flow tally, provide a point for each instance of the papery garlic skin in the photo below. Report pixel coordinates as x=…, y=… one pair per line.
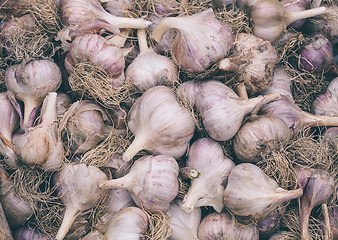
x=149, y=69
x=222, y=226
x=41, y=145
x=63, y=102
x=183, y=225
x=27, y=233
x=253, y=59
x=207, y=158
x=222, y=110
x=296, y=5
x=78, y=187
x=259, y=137
x=187, y=92
x=31, y=82
x=159, y=124
x=128, y=223
x=118, y=7
x=327, y=103
x=200, y=40
x=93, y=235
x=152, y=182
x=252, y=194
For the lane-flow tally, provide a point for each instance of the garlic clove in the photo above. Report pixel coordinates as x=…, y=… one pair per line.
x=159, y=124
x=183, y=225
x=187, y=92
x=250, y=193
x=200, y=40
x=326, y=104
x=207, y=158
x=152, y=182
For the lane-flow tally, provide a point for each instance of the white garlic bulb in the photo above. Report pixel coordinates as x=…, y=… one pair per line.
x=149, y=69
x=222, y=111
x=327, y=103
x=187, y=92
x=41, y=145
x=78, y=188
x=223, y=226
x=250, y=193
x=152, y=182
x=183, y=225
x=207, y=158
x=201, y=39
x=129, y=223
x=159, y=124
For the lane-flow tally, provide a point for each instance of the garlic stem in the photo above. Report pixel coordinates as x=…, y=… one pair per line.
x=241, y=91
x=289, y=195
x=142, y=40
x=165, y=25
x=7, y=142
x=304, y=222
x=294, y=16
x=123, y=182
x=136, y=146
x=123, y=22
x=68, y=219
x=326, y=221
x=262, y=100
x=49, y=110
x=314, y=120
x=189, y=173
x=230, y=64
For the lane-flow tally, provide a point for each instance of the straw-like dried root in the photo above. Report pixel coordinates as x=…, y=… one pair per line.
x=159, y=226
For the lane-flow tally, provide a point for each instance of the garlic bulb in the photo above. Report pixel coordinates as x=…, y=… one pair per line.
x=152, y=182
x=253, y=59
x=252, y=194
x=270, y=18
x=327, y=103
x=159, y=124
x=8, y=124
x=260, y=136
x=31, y=82
x=27, y=233
x=187, y=92
x=222, y=111
x=222, y=226
x=319, y=188
x=296, y=6
x=270, y=224
x=332, y=133
x=183, y=225
x=118, y=7
x=16, y=208
x=85, y=123
x=78, y=188
x=200, y=40
x=97, y=50
x=149, y=69
x=206, y=156
x=63, y=102
x=281, y=83
x=129, y=223
x=41, y=145
x=93, y=235
x=84, y=16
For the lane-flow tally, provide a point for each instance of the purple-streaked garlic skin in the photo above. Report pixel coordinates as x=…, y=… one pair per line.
x=281, y=83
x=207, y=158
x=187, y=92
x=252, y=195
x=327, y=103
x=319, y=188
x=183, y=225
x=296, y=5
x=303, y=174
x=31, y=82
x=259, y=137
x=118, y=7
x=222, y=110
x=253, y=59
x=270, y=224
x=151, y=181
x=128, y=223
x=200, y=40
x=223, y=226
x=78, y=188
x=317, y=55
x=159, y=124
x=28, y=233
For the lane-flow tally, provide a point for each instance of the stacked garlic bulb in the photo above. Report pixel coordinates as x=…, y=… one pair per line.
x=327, y=103
x=206, y=156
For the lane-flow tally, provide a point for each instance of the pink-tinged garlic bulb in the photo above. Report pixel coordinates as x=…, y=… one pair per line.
x=200, y=40
x=28, y=233
x=260, y=136
x=270, y=18
x=281, y=83
x=152, y=182
x=31, y=82
x=159, y=124
x=332, y=133
x=118, y=8
x=319, y=188
x=252, y=194
x=63, y=102
x=78, y=188
x=183, y=225
x=327, y=103
x=128, y=223
x=84, y=16
x=17, y=209
x=149, y=69
x=86, y=124
x=223, y=226
x=270, y=224
x=222, y=111
x=99, y=51
x=187, y=92
x=295, y=6
x=253, y=59
x=41, y=145
x=93, y=235
x=8, y=124
x=207, y=158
